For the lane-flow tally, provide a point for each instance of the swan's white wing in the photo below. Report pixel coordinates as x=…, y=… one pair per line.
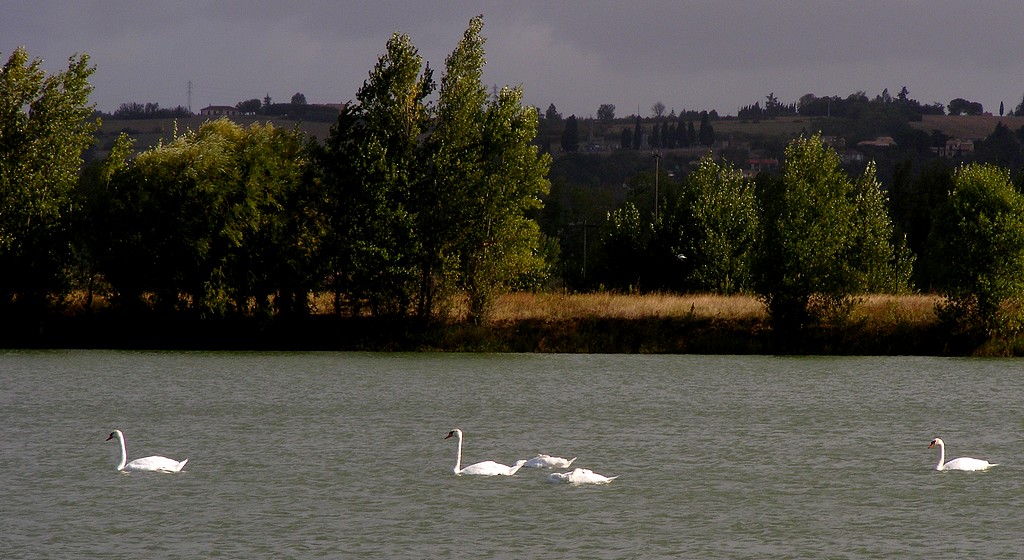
x=155, y=463
x=488, y=468
x=967, y=464
x=580, y=476
x=548, y=462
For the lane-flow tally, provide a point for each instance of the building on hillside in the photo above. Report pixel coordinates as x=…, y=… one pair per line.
x=849, y=157
x=880, y=142
x=954, y=147
x=757, y=165
x=218, y=111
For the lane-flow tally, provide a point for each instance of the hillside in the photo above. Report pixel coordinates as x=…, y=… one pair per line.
x=966, y=127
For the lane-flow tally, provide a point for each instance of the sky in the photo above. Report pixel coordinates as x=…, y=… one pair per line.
x=576, y=54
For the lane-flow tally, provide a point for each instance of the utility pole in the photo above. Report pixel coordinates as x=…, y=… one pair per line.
x=657, y=171
x=190, y=96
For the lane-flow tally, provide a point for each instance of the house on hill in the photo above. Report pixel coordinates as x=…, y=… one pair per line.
x=218, y=111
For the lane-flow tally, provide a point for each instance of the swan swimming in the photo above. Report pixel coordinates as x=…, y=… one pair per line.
x=961, y=464
x=580, y=476
x=153, y=463
x=548, y=462
x=484, y=468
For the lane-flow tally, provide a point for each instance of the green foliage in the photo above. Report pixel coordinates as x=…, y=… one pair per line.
x=625, y=239
x=373, y=168
x=206, y=222
x=486, y=176
x=822, y=238
x=715, y=224
x=977, y=247
x=44, y=128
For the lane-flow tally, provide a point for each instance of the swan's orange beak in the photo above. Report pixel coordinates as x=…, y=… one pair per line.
x=110, y=437
x=931, y=445
x=449, y=435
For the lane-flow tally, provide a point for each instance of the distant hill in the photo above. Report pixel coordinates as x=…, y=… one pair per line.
x=966, y=127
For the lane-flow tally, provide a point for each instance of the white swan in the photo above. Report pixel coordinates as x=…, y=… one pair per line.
x=484, y=468
x=548, y=462
x=154, y=463
x=580, y=476
x=961, y=464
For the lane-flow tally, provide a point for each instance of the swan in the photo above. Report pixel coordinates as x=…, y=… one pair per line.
x=154, y=463
x=484, y=468
x=580, y=476
x=961, y=464
x=548, y=462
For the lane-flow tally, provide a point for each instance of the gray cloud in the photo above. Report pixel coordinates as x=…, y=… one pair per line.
x=687, y=54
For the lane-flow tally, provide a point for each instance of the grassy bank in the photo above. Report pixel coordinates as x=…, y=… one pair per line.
x=593, y=323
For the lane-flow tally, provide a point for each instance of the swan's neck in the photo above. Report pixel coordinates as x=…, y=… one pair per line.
x=458, y=454
x=942, y=457
x=124, y=452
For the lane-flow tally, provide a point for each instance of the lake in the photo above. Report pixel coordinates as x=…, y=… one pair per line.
x=342, y=455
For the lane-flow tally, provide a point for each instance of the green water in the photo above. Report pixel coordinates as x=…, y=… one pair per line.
x=336, y=455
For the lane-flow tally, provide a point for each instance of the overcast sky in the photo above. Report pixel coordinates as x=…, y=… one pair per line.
x=687, y=54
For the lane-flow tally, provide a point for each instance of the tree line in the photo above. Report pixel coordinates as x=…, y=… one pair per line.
x=409, y=205
x=403, y=207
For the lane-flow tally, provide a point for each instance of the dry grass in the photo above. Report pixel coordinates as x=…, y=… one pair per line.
x=914, y=309
x=911, y=309
x=523, y=306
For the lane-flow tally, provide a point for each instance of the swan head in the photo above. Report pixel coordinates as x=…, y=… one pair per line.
x=936, y=441
x=454, y=433
x=114, y=434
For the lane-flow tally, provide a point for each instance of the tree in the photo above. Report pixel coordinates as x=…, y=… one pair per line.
x=571, y=135
x=211, y=222
x=552, y=114
x=626, y=138
x=374, y=170
x=961, y=106
x=977, y=246
x=487, y=174
x=45, y=126
x=707, y=132
x=606, y=112
x=715, y=226
x=658, y=109
x=822, y=238
x=249, y=107
x=1019, y=110
x=771, y=105
x=1002, y=108
x=624, y=251
x=298, y=99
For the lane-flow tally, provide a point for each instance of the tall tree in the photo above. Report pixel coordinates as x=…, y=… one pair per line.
x=571, y=135
x=45, y=125
x=715, y=225
x=977, y=246
x=375, y=170
x=552, y=114
x=707, y=132
x=822, y=238
x=486, y=175
x=606, y=112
